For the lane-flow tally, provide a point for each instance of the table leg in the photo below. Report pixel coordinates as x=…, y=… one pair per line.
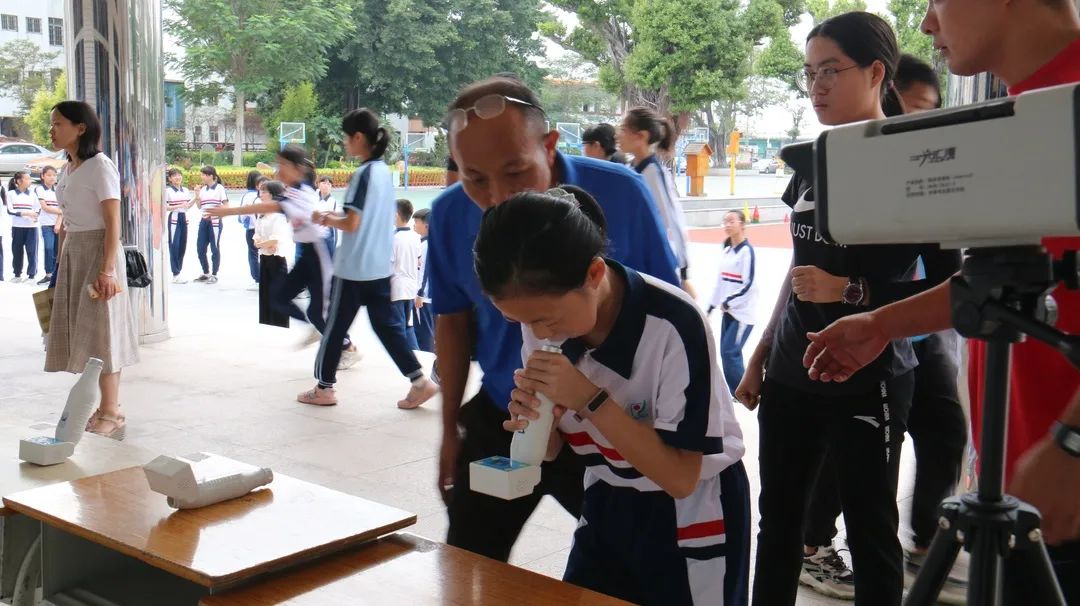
x=18, y=534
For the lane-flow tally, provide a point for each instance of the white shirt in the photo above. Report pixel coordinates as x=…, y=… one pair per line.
x=662, y=187
x=298, y=206
x=47, y=197
x=5, y=218
x=737, y=286
x=213, y=196
x=329, y=204
x=176, y=201
x=249, y=198
x=270, y=226
x=405, y=265
x=82, y=190
x=22, y=202
x=425, y=286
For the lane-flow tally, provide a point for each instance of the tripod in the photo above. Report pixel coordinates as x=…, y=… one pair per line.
x=1000, y=295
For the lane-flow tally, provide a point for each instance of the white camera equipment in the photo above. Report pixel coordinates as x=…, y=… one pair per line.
x=996, y=177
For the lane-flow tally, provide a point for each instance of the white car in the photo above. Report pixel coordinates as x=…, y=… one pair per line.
x=14, y=155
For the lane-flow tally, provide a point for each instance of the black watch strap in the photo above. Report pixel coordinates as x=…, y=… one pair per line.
x=1067, y=437
x=597, y=401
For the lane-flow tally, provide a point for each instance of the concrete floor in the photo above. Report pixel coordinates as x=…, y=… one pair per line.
x=225, y=384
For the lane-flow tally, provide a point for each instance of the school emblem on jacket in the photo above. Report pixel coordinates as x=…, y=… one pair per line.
x=640, y=410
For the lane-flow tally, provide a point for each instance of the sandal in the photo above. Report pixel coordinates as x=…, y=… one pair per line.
x=119, y=425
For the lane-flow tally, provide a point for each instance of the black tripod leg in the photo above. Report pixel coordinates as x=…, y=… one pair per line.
x=985, y=577
x=1029, y=575
x=939, y=560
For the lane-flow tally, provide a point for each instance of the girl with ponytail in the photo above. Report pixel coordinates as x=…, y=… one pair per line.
x=644, y=134
x=651, y=418
x=362, y=268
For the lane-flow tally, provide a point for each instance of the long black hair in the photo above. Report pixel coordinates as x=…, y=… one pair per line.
x=15, y=179
x=661, y=131
x=253, y=180
x=539, y=243
x=866, y=38
x=79, y=112
x=299, y=156
x=365, y=121
x=210, y=171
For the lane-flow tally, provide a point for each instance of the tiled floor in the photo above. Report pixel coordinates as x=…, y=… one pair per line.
x=225, y=384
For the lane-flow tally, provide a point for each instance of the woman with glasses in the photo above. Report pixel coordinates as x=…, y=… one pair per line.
x=643, y=134
x=850, y=63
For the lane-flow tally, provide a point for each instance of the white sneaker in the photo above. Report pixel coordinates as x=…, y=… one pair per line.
x=178, y=280
x=349, y=358
x=18, y=279
x=312, y=337
x=254, y=286
x=826, y=573
x=955, y=589
x=304, y=295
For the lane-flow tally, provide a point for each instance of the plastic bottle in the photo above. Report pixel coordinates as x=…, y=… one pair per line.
x=82, y=400
x=530, y=444
x=223, y=489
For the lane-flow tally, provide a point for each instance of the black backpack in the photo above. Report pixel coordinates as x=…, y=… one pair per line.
x=138, y=275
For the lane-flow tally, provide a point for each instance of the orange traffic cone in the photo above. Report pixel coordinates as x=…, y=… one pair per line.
x=756, y=217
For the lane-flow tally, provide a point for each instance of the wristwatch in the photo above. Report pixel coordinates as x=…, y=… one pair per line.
x=854, y=292
x=1067, y=437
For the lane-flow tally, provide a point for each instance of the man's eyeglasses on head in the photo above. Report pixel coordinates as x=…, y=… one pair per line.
x=485, y=108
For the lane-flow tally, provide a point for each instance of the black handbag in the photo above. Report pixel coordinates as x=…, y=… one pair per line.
x=138, y=275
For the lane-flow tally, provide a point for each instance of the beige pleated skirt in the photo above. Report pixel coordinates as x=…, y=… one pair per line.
x=82, y=328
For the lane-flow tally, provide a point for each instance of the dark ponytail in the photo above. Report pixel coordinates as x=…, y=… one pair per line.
x=661, y=130
x=539, y=243
x=866, y=38
x=298, y=155
x=365, y=121
x=211, y=172
x=12, y=184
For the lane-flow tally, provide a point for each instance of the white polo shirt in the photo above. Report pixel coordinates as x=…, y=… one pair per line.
x=298, y=204
x=47, y=197
x=737, y=286
x=213, y=196
x=405, y=265
x=175, y=202
x=659, y=364
x=21, y=202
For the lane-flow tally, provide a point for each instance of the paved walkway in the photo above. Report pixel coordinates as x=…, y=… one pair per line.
x=225, y=384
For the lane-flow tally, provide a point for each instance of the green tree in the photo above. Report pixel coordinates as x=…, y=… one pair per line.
x=782, y=60
x=907, y=20
x=24, y=70
x=299, y=104
x=412, y=56
x=244, y=47
x=38, y=119
x=821, y=10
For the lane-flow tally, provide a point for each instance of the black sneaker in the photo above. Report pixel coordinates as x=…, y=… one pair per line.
x=45, y=280
x=202, y=278
x=955, y=589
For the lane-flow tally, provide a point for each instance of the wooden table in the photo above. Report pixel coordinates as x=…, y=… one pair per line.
x=93, y=455
x=408, y=570
x=112, y=536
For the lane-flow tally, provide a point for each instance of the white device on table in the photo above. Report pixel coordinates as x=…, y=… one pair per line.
x=83, y=398
x=517, y=476
x=992, y=174
x=202, y=479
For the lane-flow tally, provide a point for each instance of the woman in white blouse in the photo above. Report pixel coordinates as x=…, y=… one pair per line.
x=91, y=316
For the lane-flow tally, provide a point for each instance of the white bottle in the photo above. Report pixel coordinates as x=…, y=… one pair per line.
x=530, y=444
x=223, y=489
x=82, y=400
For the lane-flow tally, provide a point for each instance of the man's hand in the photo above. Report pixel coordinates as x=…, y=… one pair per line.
x=844, y=347
x=448, y=457
x=815, y=285
x=1048, y=478
x=419, y=303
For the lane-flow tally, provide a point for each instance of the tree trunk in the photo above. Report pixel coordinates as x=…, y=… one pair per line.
x=238, y=135
x=711, y=123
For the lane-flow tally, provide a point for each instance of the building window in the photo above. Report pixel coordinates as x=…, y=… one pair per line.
x=77, y=12
x=9, y=23
x=198, y=132
x=213, y=133
x=101, y=18
x=33, y=25
x=56, y=31
x=101, y=75
x=80, y=71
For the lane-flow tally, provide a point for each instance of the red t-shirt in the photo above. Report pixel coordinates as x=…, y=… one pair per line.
x=1042, y=381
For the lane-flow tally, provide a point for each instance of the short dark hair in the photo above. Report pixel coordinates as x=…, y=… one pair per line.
x=404, y=209
x=325, y=179
x=80, y=112
x=253, y=179
x=365, y=121
x=866, y=38
x=275, y=188
x=422, y=215
x=912, y=70
x=173, y=171
x=661, y=130
x=602, y=133
x=48, y=169
x=514, y=254
x=299, y=156
x=508, y=87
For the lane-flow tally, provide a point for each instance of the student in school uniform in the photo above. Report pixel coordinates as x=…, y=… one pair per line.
x=736, y=296
x=423, y=319
x=270, y=229
x=639, y=398
x=362, y=267
x=49, y=217
x=251, y=196
x=209, y=196
x=327, y=203
x=644, y=135
x=178, y=199
x=599, y=143
x=24, y=208
x=405, y=264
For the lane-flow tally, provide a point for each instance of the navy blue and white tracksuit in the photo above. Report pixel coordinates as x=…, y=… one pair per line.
x=211, y=196
x=662, y=187
x=176, y=203
x=314, y=270
x=736, y=295
x=424, y=319
x=634, y=541
x=24, y=231
x=47, y=198
x=251, y=196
